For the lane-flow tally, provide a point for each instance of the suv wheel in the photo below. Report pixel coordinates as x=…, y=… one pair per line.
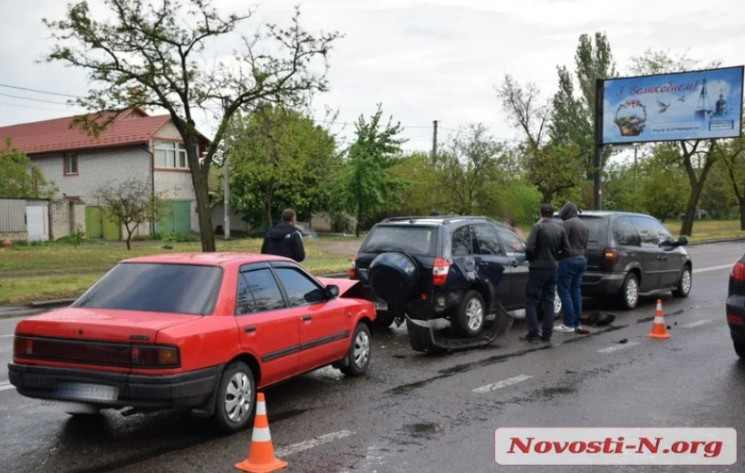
x=740, y=349
x=684, y=284
x=470, y=316
x=630, y=291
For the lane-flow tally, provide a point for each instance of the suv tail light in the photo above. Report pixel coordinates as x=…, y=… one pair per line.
x=353, y=268
x=440, y=272
x=738, y=271
x=611, y=256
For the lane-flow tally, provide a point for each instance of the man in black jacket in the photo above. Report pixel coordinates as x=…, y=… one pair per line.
x=284, y=239
x=546, y=244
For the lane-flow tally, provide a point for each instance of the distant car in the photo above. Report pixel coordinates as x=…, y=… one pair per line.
x=736, y=306
x=630, y=253
x=201, y=331
x=443, y=271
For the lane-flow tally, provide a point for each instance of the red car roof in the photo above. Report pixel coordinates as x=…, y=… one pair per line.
x=207, y=259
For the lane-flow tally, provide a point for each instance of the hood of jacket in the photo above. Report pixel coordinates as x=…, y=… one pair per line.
x=569, y=210
x=280, y=231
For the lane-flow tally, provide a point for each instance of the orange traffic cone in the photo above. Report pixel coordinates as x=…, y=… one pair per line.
x=261, y=457
x=659, y=329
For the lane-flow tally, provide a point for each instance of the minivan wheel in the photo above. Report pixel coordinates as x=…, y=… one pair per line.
x=630, y=291
x=470, y=316
x=684, y=284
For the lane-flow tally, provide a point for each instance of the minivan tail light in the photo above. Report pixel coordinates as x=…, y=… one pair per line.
x=738, y=271
x=353, y=268
x=611, y=256
x=440, y=272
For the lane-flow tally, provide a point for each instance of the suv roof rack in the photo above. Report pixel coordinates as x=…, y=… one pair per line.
x=444, y=218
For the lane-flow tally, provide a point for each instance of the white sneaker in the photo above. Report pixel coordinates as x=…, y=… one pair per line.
x=563, y=328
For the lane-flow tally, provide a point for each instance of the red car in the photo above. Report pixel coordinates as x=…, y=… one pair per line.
x=201, y=331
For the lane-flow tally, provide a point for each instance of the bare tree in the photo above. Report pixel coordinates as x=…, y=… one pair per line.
x=153, y=54
x=131, y=204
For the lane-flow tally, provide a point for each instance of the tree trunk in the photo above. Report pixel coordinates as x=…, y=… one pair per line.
x=268, y=199
x=207, y=236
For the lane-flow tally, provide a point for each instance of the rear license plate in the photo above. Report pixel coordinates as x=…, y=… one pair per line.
x=87, y=392
x=380, y=305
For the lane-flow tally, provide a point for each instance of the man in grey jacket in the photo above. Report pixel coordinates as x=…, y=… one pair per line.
x=546, y=244
x=571, y=268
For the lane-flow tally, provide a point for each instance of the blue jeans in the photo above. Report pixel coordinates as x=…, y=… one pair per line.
x=541, y=288
x=568, y=285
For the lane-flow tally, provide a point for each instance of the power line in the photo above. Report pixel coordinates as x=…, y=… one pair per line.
x=39, y=91
x=29, y=106
x=32, y=99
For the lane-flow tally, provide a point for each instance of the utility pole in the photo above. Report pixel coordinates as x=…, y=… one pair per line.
x=226, y=184
x=434, y=142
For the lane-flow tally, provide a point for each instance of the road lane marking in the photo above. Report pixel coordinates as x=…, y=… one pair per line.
x=4, y=386
x=618, y=347
x=697, y=323
x=502, y=384
x=713, y=268
x=312, y=443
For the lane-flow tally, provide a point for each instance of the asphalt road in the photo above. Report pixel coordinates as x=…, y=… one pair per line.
x=420, y=413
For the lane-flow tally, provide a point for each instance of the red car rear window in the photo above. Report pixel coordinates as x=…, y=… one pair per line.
x=156, y=287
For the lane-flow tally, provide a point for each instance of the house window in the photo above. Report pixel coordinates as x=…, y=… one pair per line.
x=71, y=164
x=171, y=155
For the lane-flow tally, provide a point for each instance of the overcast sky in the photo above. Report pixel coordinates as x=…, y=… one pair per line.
x=422, y=60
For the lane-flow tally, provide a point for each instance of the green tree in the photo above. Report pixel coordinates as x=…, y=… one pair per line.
x=368, y=186
x=573, y=111
x=470, y=170
x=733, y=158
x=697, y=157
x=151, y=54
x=662, y=183
x=279, y=158
x=131, y=203
x=420, y=193
x=19, y=178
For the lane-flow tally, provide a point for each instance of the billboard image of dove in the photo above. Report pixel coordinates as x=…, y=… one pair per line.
x=682, y=106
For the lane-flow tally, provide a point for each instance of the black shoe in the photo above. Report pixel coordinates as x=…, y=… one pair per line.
x=529, y=337
x=546, y=339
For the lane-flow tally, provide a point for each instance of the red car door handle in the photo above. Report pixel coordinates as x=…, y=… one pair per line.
x=307, y=318
x=250, y=329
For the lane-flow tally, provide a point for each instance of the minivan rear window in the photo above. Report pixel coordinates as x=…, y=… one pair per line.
x=597, y=229
x=414, y=240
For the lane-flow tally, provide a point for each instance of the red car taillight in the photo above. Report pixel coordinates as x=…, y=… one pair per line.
x=353, y=268
x=155, y=356
x=440, y=272
x=738, y=271
x=23, y=346
x=734, y=319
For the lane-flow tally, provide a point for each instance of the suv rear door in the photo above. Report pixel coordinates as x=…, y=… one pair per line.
x=492, y=264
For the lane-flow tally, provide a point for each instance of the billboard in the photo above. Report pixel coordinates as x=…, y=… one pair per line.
x=681, y=106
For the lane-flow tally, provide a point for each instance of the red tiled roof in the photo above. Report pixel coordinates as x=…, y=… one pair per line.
x=56, y=135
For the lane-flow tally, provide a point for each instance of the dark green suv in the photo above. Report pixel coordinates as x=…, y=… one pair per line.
x=454, y=279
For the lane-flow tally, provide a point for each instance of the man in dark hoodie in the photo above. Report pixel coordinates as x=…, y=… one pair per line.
x=284, y=239
x=571, y=268
x=546, y=244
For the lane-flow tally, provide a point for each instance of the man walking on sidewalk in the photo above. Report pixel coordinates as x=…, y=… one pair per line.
x=546, y=244
x=571, y=268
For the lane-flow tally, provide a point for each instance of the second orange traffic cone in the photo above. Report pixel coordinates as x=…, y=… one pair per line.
x=261, y=457
x=659, y=329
